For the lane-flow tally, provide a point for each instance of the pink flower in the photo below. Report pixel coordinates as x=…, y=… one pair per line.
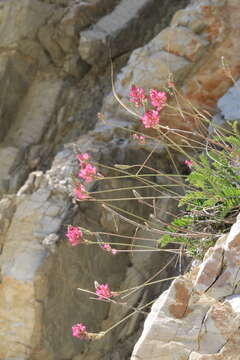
x=114, y=251
x=74, y=235
x=188, y=163
x=87, y=172
x=83, y=157
x=79, y=331
x=108, y=248
x=150, y=118
x=137, y=96
x=80, y=192
x=103, y=291
x=140, y=138
x=158, y=99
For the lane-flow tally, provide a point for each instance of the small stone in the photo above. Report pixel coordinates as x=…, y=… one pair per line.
x=50, y=242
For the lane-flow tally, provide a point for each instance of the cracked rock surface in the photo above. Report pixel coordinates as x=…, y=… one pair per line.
x=198, y=317
x=54, y=71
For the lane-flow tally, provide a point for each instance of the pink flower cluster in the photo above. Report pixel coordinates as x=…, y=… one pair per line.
x=79, y=331
x=103, y=291
x=188, y=163
x=157, y=100
x=109, y=249
x=80, y=192
x=87, y=172
x=150, y=118
x=139, y=138
x=137, y=96
x=74, y=235
x=83, y=157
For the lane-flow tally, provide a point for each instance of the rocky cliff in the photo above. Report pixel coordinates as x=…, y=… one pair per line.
x=55, y=77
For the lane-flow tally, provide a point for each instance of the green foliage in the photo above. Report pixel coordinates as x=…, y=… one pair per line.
x=212, y=200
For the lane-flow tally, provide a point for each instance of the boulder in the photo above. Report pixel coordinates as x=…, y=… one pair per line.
x=198, y=317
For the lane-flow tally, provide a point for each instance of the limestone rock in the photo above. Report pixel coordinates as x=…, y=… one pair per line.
x=198, y=317
x=30, y=125
x=229, y=104
x=49, y=92
x=36, y=260
x=109, y=31
x=228, y=109
x=13, y=67
x=21, y=20
x=182, y=42
x=187, y=52
x=9, y=157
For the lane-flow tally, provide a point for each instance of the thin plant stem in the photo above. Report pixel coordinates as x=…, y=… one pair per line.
x=128, y=316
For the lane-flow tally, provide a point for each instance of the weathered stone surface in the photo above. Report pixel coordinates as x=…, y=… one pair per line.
x=229, y=103
x=189, y=52
x=109, y=31
x=228, y=107
x=54, y=92
x=15, y=334
x=127, y=16
x=199, y=314
x=21, y=20
x=182, y=42
x=30, y=126
x=209, y=270
x=20, y=260
x=9, y=157
x=39, y=258
x=211, y=76
x=13, y=67
x=222, y=282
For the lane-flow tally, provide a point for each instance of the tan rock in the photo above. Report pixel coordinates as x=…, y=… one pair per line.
x=21, y=20
x=192, y=314
x=109, y=30
x=17, y=331
x=198, y=28
x=182, y=42
x=219, y=275
x=209, y=270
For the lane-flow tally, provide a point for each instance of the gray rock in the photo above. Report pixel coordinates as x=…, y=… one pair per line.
x=228, y=109
x=234, y=301
x=21, y=19
x=229, y=104
x=50, y=242
x=104, y=39
x=199, y=314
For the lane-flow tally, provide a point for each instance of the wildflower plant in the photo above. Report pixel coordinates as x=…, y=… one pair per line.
x=74, y=235
x=152, y=104
x=208, y=176
x=213, y=201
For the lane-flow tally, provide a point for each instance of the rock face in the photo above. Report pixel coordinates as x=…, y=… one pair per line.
x=197, y=51
x=197, y=318
x=53, y=84
x=54, y=76
x=228, y=108
x=41, y=272
x=51, y=72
